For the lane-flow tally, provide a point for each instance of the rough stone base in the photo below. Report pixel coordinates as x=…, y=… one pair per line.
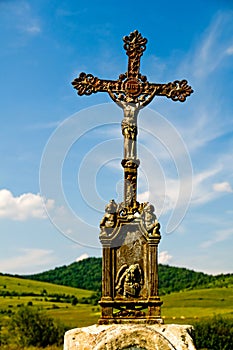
x=116, y=337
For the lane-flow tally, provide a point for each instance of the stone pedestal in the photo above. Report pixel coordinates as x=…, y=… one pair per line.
x=120, y=336
x=130, y=265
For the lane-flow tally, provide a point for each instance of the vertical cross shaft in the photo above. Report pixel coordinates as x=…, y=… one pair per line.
x=130, y=162
x=134, y=45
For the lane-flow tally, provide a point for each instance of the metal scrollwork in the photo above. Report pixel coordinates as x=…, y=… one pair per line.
x=177, y=91
x=134, y=43
x=130, y=313
x=132, y=87
x=85, y=84
x=132, y=92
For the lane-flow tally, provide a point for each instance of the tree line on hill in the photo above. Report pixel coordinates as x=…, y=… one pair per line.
x=53, y=297
x=87, y=274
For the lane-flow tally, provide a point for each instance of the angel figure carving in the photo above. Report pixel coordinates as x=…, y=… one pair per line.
x=109, y=219
x=150, y=219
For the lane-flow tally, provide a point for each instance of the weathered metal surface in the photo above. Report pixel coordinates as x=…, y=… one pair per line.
x=130, y=231
x=132, y=87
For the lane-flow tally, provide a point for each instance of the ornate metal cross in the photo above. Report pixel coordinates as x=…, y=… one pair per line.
x=131, y=92
x=130, y=231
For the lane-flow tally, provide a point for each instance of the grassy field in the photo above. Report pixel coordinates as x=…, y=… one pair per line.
x=180, y=307
x=15, y=292
x=20, y=285
x=189, y=306
x=184, y=307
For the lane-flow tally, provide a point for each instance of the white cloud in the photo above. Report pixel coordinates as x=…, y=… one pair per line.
x=28, y=261
x=144, y=196
x=214, y=47
x=33, y=28
x=222, y=187
x=202, y=128
x=218, y=236
x=82, y=257
x=202, y=188
x=41, y=126
x=24, y=207
x=24, y=18
x=164, y=257
x=208, y=113
x=229, y=50
x=167, y=198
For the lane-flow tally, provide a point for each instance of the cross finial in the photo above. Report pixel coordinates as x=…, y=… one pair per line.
x=134, y=45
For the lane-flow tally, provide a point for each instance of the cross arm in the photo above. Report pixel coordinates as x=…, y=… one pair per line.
x=177, y=90
x=86, y=84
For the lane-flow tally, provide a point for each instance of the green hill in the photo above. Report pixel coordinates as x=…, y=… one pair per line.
x=175, y=279
x=86, y=274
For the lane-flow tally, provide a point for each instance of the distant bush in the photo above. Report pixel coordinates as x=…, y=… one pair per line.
x=214, y=334
x=74, y=301
x=31, y=327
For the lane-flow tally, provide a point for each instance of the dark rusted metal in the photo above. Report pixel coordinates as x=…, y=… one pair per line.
x=132, y=87
x=130, y=231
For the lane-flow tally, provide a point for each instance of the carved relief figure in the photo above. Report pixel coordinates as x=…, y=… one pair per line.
x=110, y=218
x=129, y=280
x=151, y=223
x=130, y=189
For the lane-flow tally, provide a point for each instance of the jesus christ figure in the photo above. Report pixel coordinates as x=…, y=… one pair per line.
x=129, y=129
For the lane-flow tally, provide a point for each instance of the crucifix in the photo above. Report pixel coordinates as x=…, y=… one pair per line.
x=131, y=92
x=130, y=230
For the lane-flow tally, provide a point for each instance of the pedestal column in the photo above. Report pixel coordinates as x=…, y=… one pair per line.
x=130, y=181
x=106, y=273
x=107, y=311
x=154, y=306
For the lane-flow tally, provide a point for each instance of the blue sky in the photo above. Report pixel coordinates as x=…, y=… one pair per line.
x=67, y=149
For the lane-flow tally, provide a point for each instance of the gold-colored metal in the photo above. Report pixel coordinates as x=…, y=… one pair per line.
x=130, y=231
x=131, y=92
x=132, y=87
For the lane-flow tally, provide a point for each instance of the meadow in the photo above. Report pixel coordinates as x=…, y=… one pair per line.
x=181, y=307
x=75, y=307
x=189, y=306
x=20, y=285
x=178, y=307
x=54, y=300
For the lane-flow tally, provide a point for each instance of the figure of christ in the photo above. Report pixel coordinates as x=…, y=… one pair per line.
x=129, y=129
